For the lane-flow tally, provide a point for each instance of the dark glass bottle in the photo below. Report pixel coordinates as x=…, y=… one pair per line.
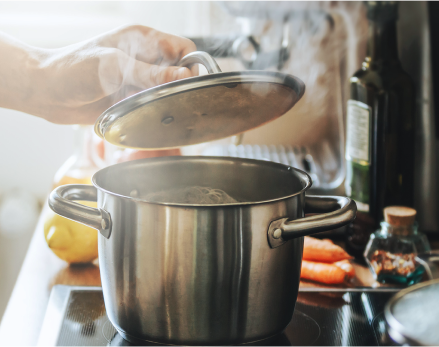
x=380, y=129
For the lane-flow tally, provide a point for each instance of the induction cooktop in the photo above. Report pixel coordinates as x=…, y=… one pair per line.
x=76, y=317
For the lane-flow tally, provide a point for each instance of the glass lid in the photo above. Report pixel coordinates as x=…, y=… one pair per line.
x=199, y=109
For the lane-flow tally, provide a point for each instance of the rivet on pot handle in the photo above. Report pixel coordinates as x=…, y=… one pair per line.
x=60, y=201
x=335, y=212
x=199, y=57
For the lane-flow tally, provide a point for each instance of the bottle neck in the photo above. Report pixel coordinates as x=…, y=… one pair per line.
x=382, y=43
x=82, y=146
x=399, y=230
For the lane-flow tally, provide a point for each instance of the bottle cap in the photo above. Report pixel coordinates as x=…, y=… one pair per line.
x=399, y=215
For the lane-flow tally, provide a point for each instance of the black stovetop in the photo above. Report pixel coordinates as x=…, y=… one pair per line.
x=76, y=317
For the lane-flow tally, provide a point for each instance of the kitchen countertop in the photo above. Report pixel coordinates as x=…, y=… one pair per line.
x=27, y=305
x=41, y=270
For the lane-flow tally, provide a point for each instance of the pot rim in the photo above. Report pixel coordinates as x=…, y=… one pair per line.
x=393, y=322
x=305, y=177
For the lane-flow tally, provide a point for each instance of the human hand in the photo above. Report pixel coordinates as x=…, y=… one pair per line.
x=75, y=84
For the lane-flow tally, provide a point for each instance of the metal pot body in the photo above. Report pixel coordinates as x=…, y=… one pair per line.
x=198, y=275
x=186, y=274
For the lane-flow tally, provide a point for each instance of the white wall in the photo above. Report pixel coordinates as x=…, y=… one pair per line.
x=31, y=151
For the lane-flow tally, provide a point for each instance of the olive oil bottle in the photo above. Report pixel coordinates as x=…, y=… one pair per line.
x=380, y=129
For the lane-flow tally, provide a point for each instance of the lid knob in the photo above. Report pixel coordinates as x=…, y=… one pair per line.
x=399, y=215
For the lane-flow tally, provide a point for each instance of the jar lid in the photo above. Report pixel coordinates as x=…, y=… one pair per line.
x=199, y=109
x=399, y=215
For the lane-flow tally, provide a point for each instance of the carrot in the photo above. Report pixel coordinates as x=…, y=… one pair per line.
x=322, y=272
x=346, y=266
x=323, y=251
x=328, y=240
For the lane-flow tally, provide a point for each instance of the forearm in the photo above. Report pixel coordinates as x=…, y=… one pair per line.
x=19, y=74
x=76, y=83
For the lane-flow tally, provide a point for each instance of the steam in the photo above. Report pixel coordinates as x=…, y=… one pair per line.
x=116, y=69
x=136, y=62
x=191, y=195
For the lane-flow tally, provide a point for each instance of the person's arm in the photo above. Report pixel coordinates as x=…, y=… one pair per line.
x=76, y=83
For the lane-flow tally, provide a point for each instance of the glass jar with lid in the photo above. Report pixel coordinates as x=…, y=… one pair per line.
x=391, y=251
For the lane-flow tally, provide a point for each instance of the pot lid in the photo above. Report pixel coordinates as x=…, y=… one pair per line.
x=199, y=109
x=413, y=315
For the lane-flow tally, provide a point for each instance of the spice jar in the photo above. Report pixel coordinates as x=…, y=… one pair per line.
x=391, y=251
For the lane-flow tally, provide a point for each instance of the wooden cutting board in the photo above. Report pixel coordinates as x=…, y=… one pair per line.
x=363, y=279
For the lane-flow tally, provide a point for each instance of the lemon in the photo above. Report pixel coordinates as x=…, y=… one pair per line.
x=71, y=241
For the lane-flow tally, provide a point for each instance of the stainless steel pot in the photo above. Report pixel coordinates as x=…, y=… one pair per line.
x=412, y=315
x=201, y=274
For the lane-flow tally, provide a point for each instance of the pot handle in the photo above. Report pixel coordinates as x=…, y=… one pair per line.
x=199, y=57
x=60, y=201
x=336, y=211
